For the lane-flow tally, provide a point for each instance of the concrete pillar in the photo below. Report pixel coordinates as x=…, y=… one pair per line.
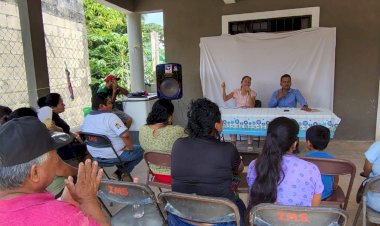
x=135, y=46
x=377, y=135
x=33, y=39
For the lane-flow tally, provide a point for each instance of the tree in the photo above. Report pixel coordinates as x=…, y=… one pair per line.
x=108, y=43
x=146, y=39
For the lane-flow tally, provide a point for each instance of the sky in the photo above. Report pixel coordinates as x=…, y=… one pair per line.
x=156, y=18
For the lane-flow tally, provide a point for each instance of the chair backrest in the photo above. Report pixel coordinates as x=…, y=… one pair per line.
x=373, y=185
x=96, y=140
x=248, y=157
x=157, y=158
x=119, y=198
x=257, y=103
x=266, y=214
x=336, y=167
x=200, y=209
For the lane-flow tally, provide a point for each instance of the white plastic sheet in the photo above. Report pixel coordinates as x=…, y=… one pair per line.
x=307, y=55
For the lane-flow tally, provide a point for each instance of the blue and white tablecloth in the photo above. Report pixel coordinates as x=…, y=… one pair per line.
x=254, y=121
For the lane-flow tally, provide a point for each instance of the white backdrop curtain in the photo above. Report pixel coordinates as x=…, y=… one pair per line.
x=307, y=55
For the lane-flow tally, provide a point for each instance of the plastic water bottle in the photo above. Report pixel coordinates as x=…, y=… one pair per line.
x=137, y=209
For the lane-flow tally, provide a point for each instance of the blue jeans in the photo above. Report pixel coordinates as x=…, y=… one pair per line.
x=132, y=158
x=174, y=220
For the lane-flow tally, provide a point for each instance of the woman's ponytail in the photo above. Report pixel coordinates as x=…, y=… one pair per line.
x=281, y=135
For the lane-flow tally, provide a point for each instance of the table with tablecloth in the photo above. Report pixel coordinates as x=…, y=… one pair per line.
x=254, y=121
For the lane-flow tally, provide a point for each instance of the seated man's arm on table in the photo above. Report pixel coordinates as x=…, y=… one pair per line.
x=123, y=91
x=116, y=89
x=300, y=99
x=273, y=102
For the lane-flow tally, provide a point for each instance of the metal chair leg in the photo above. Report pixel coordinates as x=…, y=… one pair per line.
x=105, y=173
x=364, y=207
x=105, y=207
x=258, y=142
x=357, y=214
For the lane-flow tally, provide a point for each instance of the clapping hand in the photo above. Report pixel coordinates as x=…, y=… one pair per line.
x=86, y=188
x=83, y=193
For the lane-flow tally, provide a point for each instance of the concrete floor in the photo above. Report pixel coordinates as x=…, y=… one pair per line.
x=351, y=150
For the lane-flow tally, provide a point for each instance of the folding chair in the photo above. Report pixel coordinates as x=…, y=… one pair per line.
x=158, y=159
x=266, y=214
x=373, y=185
x=196, y=209
x=248, y=157
x=336, y=167
x=120, y=198
x=102, y=141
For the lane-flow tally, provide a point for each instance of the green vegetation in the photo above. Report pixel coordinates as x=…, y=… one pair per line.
x=108, y=43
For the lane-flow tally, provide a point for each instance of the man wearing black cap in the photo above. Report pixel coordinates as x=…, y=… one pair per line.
x=28, y=162
x=112, y=89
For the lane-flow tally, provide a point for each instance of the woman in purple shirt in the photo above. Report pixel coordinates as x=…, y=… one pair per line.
x=277, y=176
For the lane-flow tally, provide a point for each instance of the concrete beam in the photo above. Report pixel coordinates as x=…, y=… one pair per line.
x=229, y=1
x=121, y=5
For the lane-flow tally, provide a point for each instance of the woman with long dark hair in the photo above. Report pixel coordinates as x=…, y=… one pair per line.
x=4, y=113
x=277, y=176
x=55, y=102
x=201, y=163
x=75, y=149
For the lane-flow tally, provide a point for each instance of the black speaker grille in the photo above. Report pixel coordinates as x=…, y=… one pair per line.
x=169, y=87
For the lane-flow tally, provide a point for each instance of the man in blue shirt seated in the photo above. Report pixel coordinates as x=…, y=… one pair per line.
x=287, y=97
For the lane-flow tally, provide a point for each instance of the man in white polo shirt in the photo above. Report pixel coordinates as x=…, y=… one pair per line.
x=102, y=121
